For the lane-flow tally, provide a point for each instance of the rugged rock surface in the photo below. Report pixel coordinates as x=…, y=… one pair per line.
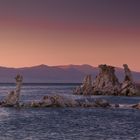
x=102, y=103
x=58, y=101
x=128, y=87
x=12, y=98
x=86, y=88
x=136, y=106
x=106, y=82
x=88, y=102
x=53, y=101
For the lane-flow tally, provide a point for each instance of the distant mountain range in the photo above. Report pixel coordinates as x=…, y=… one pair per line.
x=55, y=74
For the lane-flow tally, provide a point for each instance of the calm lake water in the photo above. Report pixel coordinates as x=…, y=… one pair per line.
x=67, y=123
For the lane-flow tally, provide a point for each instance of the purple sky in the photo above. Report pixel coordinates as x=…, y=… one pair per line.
x=62, y=32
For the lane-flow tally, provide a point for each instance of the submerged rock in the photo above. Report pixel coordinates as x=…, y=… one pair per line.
x=102, y=103
x=35, y=104
x=47, y=101
x=53, y=101
x=87, y=102
x=136, y=106
x=60, y=101
x=84, y=102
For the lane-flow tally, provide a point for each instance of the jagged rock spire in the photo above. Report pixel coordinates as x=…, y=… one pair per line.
x=106, y=81
x=128, y=87
x=128, y=74
x=86, y=88
x=12, y=99
x=19, y=80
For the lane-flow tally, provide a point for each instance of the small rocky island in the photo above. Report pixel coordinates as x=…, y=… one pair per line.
x=107, y=83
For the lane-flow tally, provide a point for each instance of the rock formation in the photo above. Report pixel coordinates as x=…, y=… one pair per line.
x=13, y=97
x=102, y=103
x=62, y=101
x=136, y=106
x=52, y=101
x=128, y=87
x=86, y=88
x=88, y=102
x=58, y=101
x=106, y=82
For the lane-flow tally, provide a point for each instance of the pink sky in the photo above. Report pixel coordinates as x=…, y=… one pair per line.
x=30, y=37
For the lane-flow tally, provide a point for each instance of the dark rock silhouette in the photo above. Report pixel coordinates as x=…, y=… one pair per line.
x=128, y=87
x=61, y=101
x=102, y=103
x=12, y=99
x=107, y=83
x=86, y=88
x=58, y=101
x=136, y=106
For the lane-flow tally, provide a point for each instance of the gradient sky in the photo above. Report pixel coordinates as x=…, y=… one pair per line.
x=59, y=32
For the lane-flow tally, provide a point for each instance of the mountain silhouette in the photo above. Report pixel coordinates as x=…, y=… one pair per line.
x=56, y=74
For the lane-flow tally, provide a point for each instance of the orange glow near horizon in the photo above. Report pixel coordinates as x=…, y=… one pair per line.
x=23, y=48
x=51, y=33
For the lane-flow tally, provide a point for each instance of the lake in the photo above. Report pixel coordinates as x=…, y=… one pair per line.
x=67, y=123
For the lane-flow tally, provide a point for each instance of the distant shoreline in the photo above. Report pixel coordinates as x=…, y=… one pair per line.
x=47, y=83
x=42, y=84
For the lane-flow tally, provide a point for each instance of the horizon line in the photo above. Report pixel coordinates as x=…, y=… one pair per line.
x=62, y=65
